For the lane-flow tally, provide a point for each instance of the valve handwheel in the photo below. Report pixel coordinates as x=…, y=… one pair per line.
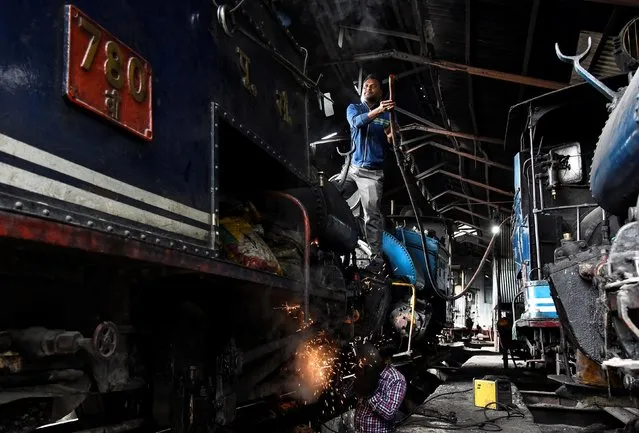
x=105, y=339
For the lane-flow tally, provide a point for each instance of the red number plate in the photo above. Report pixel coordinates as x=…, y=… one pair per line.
x=107, y=77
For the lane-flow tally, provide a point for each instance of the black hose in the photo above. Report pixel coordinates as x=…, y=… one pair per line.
x=421, y=230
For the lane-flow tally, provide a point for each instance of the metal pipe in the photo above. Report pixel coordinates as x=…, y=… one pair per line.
x=412, y=316
x=541, y=193
x=307, y=248
x=534, y=194
x=578, y=224
x=570, y=206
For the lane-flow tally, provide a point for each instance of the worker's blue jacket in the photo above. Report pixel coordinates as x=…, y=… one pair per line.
x=368, y=136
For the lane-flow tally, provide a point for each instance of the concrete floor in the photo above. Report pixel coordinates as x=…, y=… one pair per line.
x=444, y=402
x=453, y=401
x=455, y=398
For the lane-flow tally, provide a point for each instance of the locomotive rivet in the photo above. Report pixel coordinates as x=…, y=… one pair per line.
x=18, y=205
x=216, y=166
x=45, y=211
x=206, y=253
x=142, y=236
x=184, y=247
x=157, y=240
x=127, y=233
x=196, y=250
x=171, y=243
x=110, y=228
x=216, y=188
x=90, y=223
x=217, y=233
x=68, y=218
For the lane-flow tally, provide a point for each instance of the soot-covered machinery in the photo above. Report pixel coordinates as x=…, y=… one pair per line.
x=167, y=247
x=577, y=228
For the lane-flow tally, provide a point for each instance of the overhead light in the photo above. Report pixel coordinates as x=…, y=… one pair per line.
x=332, y=134
x=494, y=229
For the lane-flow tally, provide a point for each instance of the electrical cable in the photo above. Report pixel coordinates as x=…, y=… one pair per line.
x=490, y=424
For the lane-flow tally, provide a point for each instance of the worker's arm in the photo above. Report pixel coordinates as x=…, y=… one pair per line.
x=357, y=120
x=387, y=400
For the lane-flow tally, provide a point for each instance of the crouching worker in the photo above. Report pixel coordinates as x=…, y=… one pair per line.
x=380, y=389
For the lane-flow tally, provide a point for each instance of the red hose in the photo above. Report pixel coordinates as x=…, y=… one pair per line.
x=307, y=248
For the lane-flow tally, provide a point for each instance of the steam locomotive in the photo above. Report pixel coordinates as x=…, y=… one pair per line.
x=575, y=225
x=167, y=245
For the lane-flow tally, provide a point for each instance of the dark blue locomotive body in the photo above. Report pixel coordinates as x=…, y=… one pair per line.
x=125, y=130
x=84, y=163
x=139, y=141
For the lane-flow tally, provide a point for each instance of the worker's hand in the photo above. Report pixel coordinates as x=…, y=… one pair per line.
x=385, y=106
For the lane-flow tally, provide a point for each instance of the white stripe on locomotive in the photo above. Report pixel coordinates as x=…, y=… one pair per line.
x=37, y=156
x=19, y=178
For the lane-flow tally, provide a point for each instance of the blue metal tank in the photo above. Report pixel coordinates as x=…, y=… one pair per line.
x=613, y=176
x=437, y=257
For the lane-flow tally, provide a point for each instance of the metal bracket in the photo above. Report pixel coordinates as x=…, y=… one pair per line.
x=583, y=73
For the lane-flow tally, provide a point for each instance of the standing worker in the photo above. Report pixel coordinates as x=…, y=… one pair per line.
x=380, y=389
x=370, y=137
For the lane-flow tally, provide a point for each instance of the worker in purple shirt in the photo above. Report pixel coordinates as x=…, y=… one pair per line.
x=380, y=388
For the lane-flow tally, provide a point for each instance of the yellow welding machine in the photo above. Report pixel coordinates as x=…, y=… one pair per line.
x=492, y=392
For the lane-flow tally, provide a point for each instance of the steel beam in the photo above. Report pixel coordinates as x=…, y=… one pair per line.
x=474, y=199
x=476, y=215
x=457, y=152
x=407, y=73
x=409, y=36
x=452, y=66
x=631, y=3
x=449, y=206
x=441, y=194
x=604, y=37
x=532, y=23
x=431, y=171
x=417, y=139
x=451, y=133
x=418, y=118
x=473, y=182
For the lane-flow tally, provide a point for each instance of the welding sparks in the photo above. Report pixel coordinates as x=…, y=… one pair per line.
x=315, y=365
